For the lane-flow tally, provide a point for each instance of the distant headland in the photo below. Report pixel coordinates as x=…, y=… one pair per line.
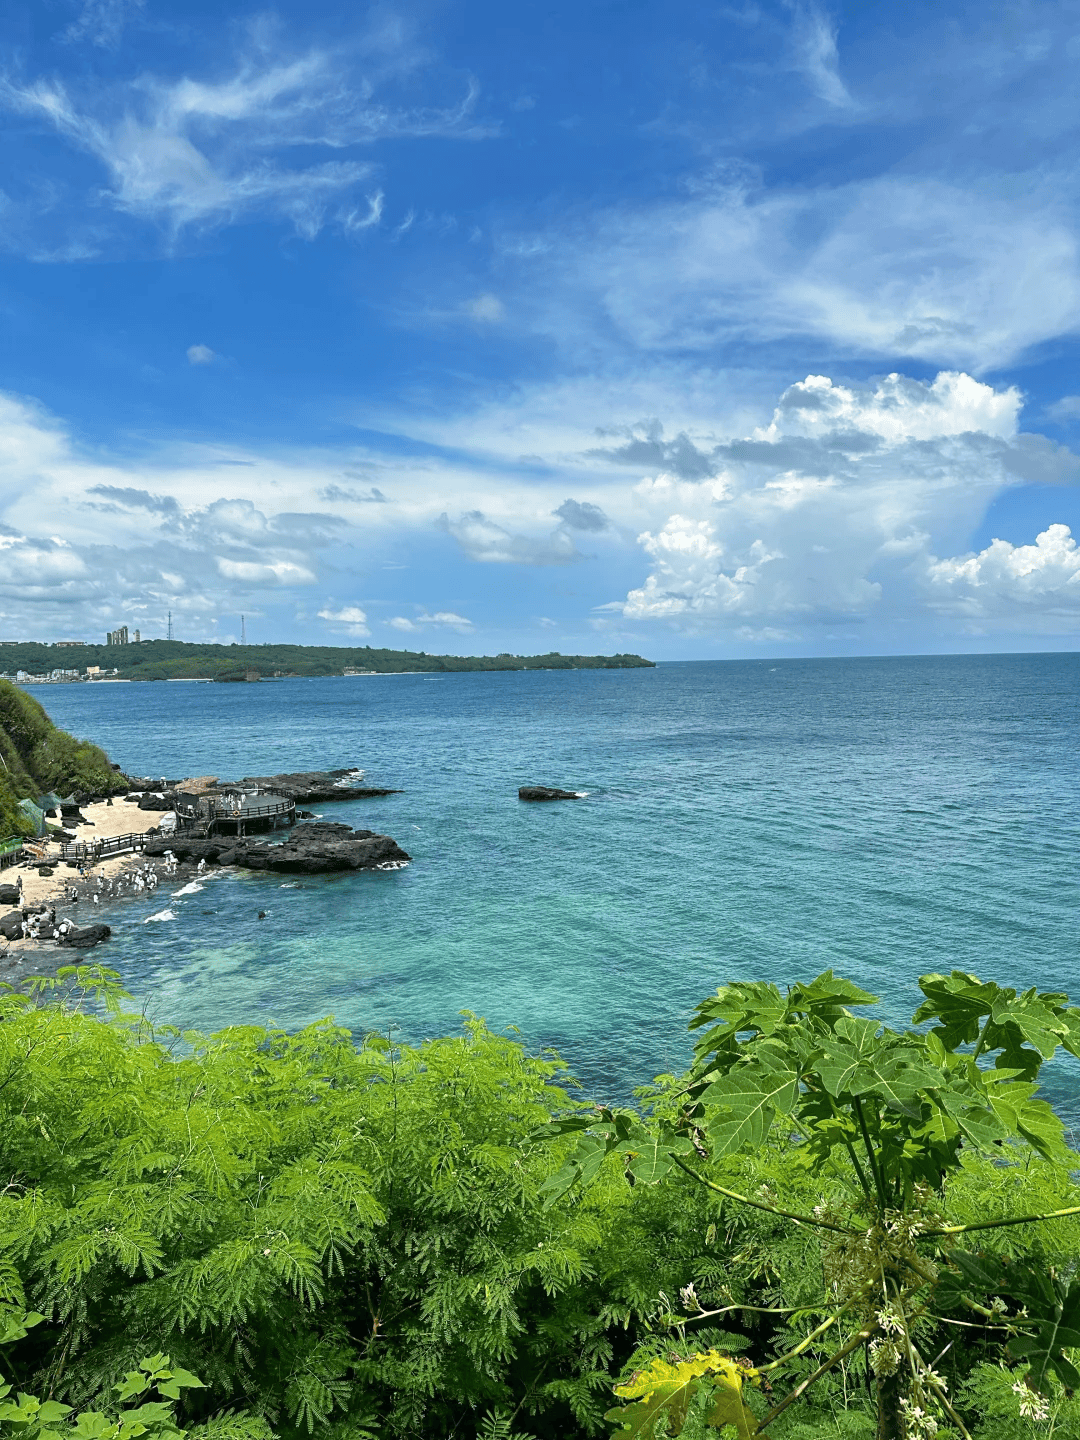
x=28, y=661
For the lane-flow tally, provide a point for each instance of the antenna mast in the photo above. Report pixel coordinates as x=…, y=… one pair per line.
x=170, y=625
x=243, y=631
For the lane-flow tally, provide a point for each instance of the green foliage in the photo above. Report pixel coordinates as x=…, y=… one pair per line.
x=499, y=1426
x=367, y=1240
x=26, y=1417
x=36, y=757
x=1004, y=1408
x=336, y=1239
x=174, y=659
x=888, y=1121
x=665, y=1391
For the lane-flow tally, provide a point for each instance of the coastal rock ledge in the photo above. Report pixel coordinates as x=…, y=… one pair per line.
x=545, y=792
x=309, y=850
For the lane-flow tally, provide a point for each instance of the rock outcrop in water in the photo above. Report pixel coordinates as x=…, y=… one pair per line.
x=82, y=939
x=312, y=787
x=545, y=792
x=311, y=849
x=11, y=925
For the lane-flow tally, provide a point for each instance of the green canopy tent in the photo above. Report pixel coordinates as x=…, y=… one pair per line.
x=34, y=814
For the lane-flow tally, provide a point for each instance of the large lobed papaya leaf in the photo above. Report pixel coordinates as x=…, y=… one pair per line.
x=1023, y=1030
x=1048, y=1322
x=759, y=1008
x=646, y=1152
x=665, y=1389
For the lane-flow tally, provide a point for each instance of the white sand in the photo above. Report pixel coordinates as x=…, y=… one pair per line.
x=122, y=817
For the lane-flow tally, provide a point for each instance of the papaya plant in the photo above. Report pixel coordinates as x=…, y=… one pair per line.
x=883, y=1120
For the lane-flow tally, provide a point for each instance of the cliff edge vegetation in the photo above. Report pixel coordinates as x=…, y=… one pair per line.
x=37, y=757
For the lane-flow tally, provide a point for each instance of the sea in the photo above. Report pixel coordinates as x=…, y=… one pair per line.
x=758, y=820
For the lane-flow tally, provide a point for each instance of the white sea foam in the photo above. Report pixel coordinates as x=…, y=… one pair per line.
x=582, y=794
x=392, y=865
x=161, y=915
x=191, y=888
x=290, y=885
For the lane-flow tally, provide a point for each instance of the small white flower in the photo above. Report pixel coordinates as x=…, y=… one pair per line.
x=688, y=1296
x=1033, y=1406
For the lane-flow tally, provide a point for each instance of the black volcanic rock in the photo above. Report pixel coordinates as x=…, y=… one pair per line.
x=159, y=800
x=9, y=895
x=83, y=939
x=545, y=792
x=11, y=925
x=309, y=850
x=312, y=787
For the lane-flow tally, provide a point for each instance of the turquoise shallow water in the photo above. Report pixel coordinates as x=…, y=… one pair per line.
x=743, y=820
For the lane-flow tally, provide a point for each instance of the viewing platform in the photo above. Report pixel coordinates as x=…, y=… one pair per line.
x=235, y=812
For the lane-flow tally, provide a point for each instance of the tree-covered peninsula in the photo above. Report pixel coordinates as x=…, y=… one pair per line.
x=178, y=660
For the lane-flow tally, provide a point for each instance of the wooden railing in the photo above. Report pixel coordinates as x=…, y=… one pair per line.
x=99, y=849
x=213, y=809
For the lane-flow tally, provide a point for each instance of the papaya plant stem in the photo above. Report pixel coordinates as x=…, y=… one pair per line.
x=997, y=1224
x=753, y=1310
x=859, y=1338
x=969, y=1324
x=982, y=1037
x=761, y=1205
x=878, y=1182
x=928, y=1376
x=805, y=1343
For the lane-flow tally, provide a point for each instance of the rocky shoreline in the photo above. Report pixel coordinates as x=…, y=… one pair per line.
x=36, y=921
x=311, y=848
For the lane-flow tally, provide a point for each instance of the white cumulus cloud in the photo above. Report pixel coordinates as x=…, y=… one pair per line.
x=200, y=355
x=271, y=572
x=445, y=618
x=485, y=540
x=1008, y=581
x=349, y=618
x=838, y=509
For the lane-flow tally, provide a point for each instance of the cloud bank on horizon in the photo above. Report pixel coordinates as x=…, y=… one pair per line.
x=380, y=329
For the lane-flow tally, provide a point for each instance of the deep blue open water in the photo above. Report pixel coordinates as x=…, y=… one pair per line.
x=884, y=817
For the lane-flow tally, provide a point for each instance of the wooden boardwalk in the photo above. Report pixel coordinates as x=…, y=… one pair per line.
x=237, y=810
x=94, y=850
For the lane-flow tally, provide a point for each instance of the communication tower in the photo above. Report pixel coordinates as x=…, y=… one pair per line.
x=170, y=625
x=243, y=631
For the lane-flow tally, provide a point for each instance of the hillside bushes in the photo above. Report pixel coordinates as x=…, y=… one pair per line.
x=36, y=756
x=357, y=1240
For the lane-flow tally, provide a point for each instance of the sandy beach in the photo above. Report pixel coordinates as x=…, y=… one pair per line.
x=122, y=817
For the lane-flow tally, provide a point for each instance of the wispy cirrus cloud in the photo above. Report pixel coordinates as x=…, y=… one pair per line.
x=101, y=22
x=951, y=273
x=184, y=152
x=816, y=53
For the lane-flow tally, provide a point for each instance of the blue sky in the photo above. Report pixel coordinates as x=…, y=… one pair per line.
x=685, y=329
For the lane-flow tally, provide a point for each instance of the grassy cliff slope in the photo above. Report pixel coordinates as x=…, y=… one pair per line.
x=36, y=757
